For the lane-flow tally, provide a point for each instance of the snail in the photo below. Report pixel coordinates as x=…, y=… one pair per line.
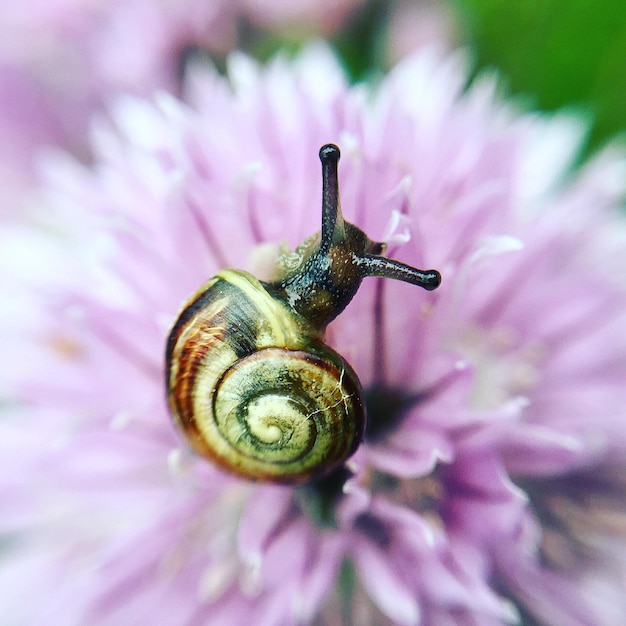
x=250, y=381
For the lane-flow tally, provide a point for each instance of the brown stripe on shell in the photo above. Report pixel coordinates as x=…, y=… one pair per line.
x=188, y=359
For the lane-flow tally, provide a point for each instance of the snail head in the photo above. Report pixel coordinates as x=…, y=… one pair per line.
x=327, y=279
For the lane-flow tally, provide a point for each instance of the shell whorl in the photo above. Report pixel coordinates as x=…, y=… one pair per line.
x=269, y=403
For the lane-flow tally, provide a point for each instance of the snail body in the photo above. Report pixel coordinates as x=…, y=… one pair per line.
x=250, y=381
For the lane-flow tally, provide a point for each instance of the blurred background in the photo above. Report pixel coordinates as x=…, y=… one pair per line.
x=63, y=61
x=555, y=54
x=550, y=54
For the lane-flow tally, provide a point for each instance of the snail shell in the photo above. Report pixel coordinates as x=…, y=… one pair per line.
x=253, y=392
x=250, y=381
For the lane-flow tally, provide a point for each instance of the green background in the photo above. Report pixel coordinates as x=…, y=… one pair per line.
x=556, y=52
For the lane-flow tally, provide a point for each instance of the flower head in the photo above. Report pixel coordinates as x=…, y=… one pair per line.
x=487, y=485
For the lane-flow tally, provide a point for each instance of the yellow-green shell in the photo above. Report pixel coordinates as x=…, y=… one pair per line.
x=254, y=388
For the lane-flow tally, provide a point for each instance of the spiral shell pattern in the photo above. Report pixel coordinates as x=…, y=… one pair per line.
x=253, y=392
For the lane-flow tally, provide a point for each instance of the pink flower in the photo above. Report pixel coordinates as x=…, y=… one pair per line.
x=63, y=60
x=300, y=16
x=420, y=23
x=490, y=484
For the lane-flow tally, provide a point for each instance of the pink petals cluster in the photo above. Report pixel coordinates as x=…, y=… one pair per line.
x=62, y=61
x=488, y=488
